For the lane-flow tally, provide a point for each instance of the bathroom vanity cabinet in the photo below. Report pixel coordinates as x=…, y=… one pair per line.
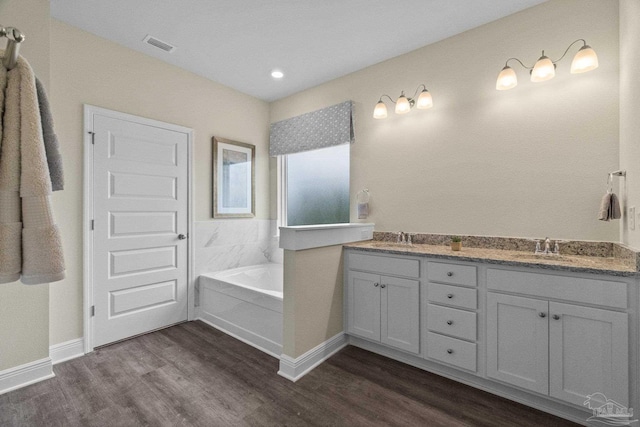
x=543, y=337
x=450, y=314
x=558, y=347
x=382, y=306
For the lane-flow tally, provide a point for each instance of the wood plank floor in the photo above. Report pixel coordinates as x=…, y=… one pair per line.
x=194, y=375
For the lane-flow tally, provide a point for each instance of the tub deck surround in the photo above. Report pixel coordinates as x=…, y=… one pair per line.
x=245, y=303
x=578, y=256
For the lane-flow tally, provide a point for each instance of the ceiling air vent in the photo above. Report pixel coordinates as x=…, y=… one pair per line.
x=159, y=44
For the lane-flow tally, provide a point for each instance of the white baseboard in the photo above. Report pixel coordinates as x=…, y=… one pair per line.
x=66, y=350
x=294, y=369
x=24, y=375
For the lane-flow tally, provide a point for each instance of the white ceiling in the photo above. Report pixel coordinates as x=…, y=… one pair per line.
x=238, y=42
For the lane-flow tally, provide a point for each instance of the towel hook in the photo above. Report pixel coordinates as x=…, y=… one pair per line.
x=14, y=38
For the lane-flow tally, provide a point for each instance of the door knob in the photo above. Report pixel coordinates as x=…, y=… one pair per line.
x=383, y=286
x=542, y=314
x=556, y=317
x=375, y=285
x=181, y=236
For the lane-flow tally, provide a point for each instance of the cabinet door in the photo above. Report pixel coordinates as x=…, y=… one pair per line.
x=400, y=313
x=518, y=341
x=589, y=351
x=363, y=294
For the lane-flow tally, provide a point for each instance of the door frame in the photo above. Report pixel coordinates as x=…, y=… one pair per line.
x=88, y=211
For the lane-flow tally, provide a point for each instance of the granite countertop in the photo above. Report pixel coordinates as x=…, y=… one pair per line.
x=617, y=266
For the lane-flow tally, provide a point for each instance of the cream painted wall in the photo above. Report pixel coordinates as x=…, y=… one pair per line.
x=313, y=297
x=24, y=310
x=529, y=162
x=92, y=70
x=629, y=113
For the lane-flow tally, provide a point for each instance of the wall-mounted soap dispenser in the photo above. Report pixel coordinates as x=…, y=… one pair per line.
x=362, y=199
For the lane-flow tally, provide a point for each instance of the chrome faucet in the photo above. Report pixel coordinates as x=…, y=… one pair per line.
x=547, y=247
x=403, y=238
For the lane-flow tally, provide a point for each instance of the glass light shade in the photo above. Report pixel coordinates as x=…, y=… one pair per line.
x=402, y=105
x=543, y=70
x=380, y=111
x=585, y=60
x=507, y=79
x=424, y=100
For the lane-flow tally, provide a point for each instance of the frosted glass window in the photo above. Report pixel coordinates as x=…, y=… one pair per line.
x=318, y=186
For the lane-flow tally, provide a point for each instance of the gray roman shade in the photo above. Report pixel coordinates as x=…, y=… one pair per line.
x=319, y=129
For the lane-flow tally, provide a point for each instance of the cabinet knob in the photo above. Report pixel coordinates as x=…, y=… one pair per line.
x=542, y=314
x=383, y=286
x=450, y=350
x=449, y=322
x=181, y=236
x=375, y=285
x=449, y=273
x=449, y=296
x=555, y=317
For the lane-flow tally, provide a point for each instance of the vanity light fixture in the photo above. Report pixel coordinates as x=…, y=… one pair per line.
x=545, y=69
x=404, y=104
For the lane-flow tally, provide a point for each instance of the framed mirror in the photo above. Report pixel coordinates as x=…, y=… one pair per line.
x=233, y=179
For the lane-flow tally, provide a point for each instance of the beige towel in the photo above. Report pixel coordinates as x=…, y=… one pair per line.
x=10, y=223
x=614, y=207
x=609, y=207
x=25, y=170
x=605, y=204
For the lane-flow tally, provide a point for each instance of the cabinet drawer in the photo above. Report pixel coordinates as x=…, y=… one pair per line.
x=451, y=321
x=452, y=273
x=453, y=295
x=453, y=351
x=577, y=289
x=384, y=265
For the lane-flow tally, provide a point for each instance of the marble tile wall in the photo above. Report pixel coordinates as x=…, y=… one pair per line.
x=225, y=244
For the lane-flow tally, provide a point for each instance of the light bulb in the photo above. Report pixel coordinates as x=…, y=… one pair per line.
x=277, y=74
x=380, y=111
x=585, y=60
x=402, y=105
x=507, y=79
x=543, y=70
x=424, y=100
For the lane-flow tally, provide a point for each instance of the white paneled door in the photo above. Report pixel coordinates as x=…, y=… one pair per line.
x=140, y=228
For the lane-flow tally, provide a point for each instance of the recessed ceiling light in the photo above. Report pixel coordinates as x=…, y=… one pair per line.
x=277, y=74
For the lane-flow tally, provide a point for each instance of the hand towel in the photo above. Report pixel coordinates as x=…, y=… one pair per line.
x=25, y=180
x=614, y=207
x=51, y=144
x=605, y=204
x=609, y=207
